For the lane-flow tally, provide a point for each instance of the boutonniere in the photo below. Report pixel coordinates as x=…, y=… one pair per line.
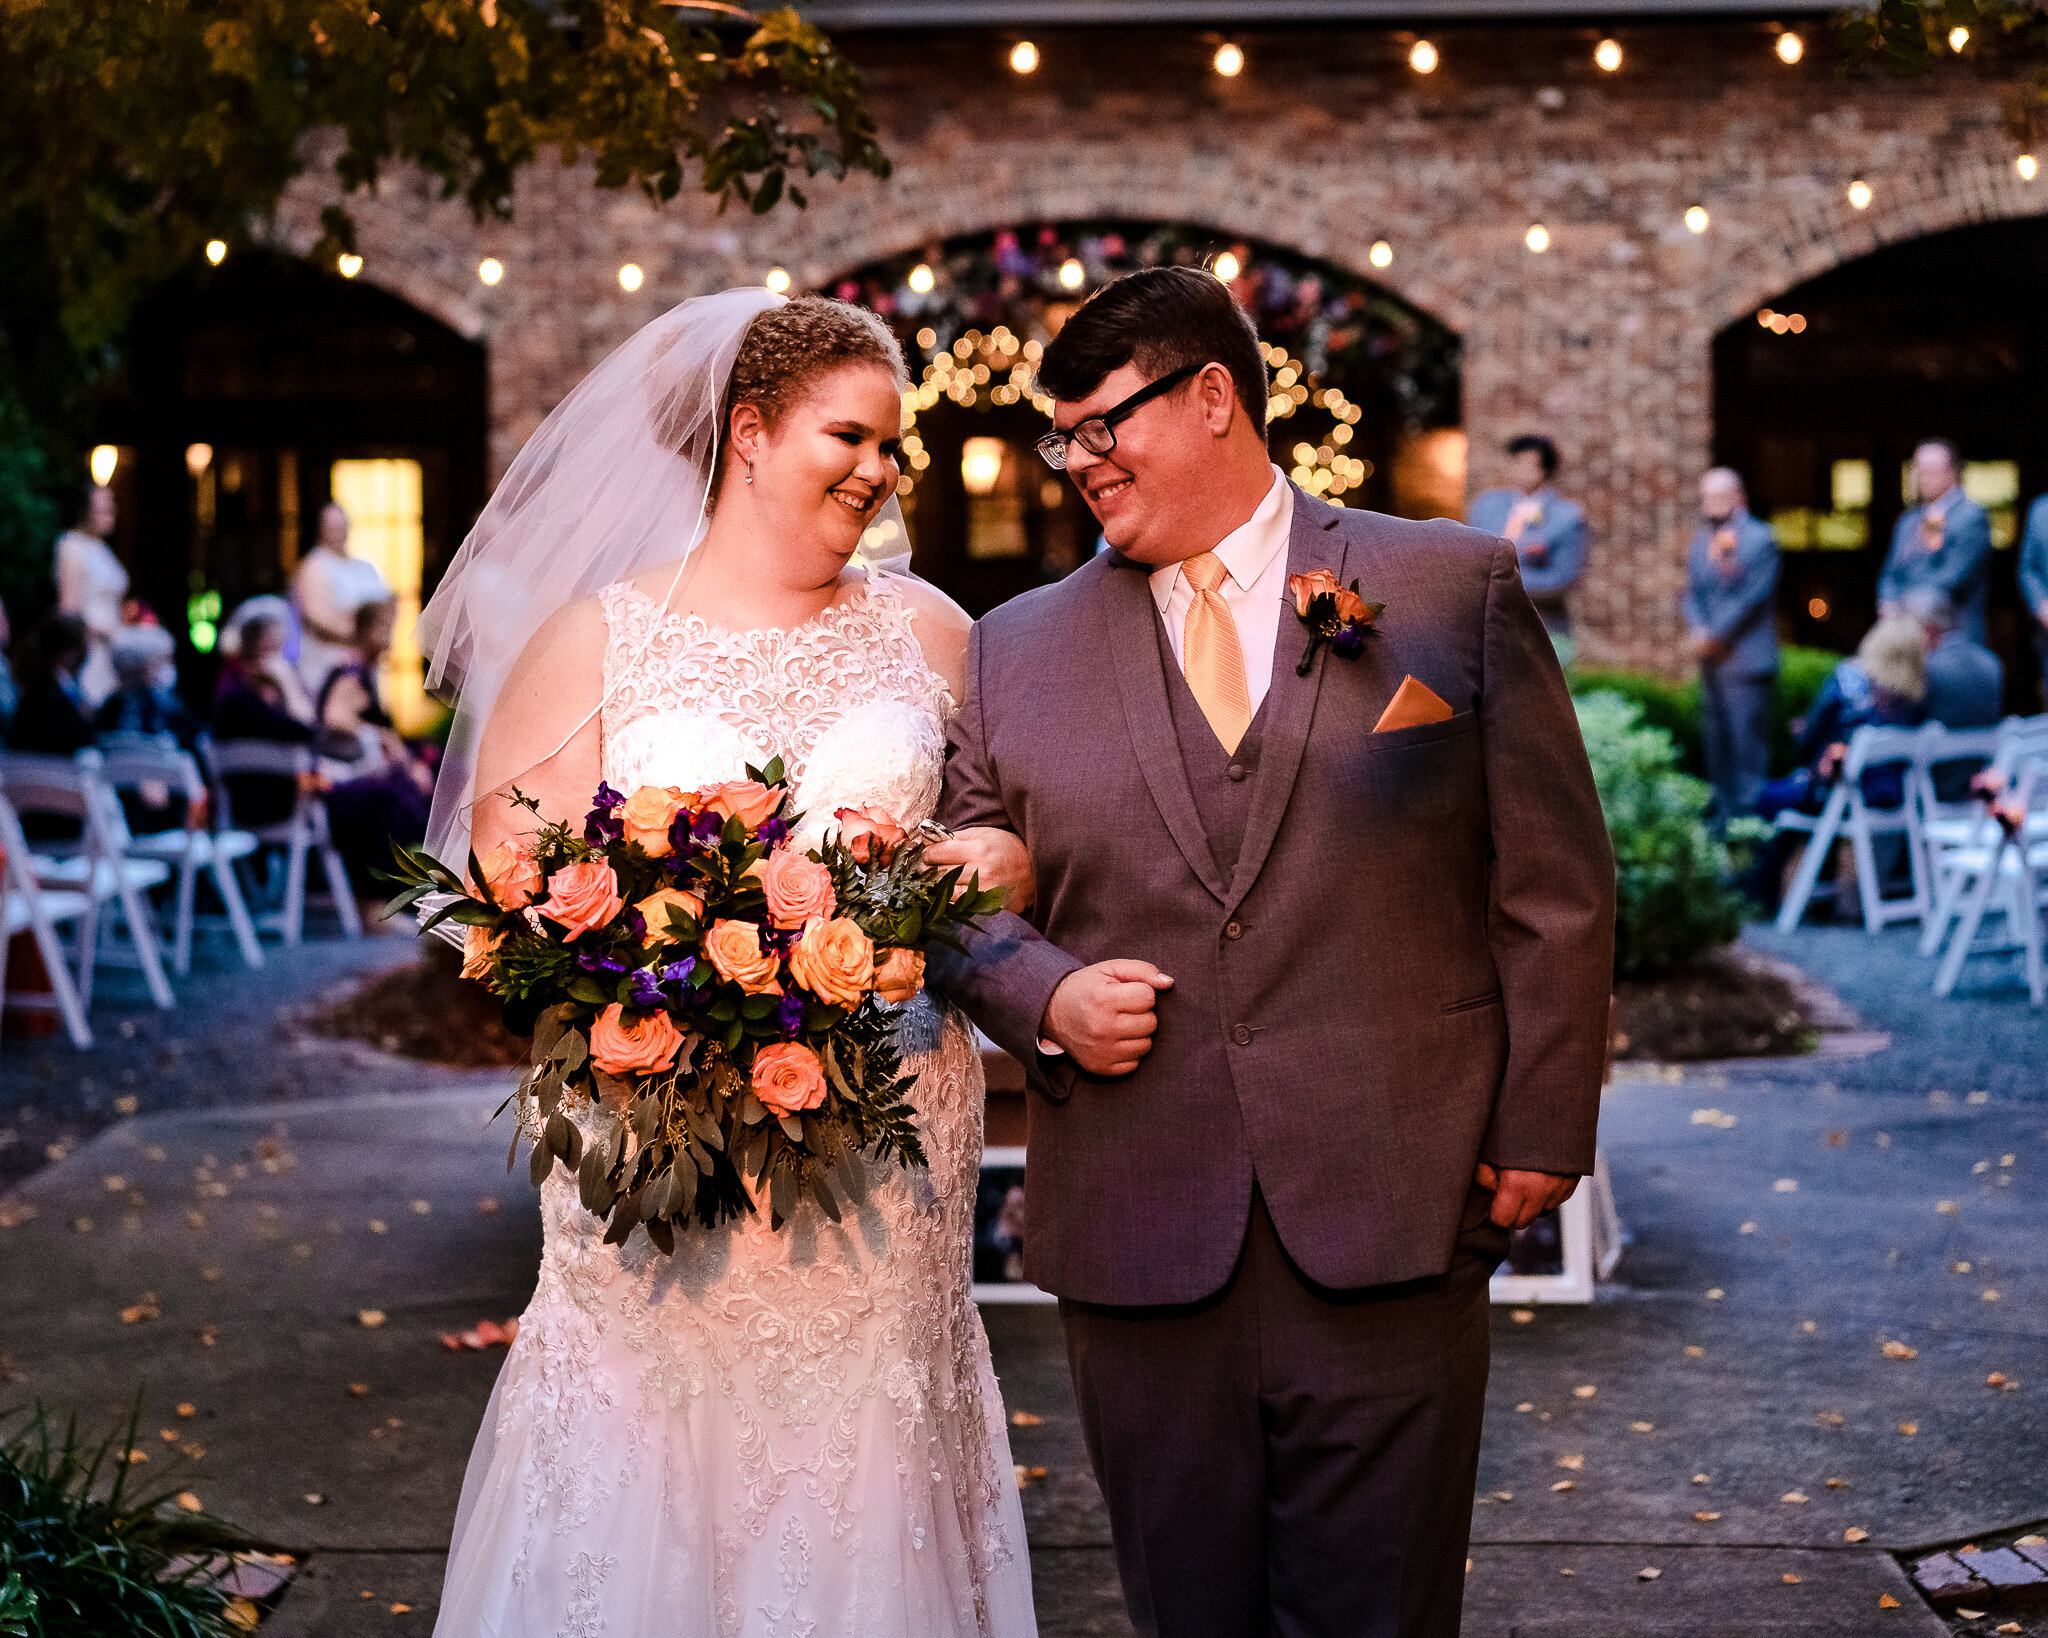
x=1333, y=615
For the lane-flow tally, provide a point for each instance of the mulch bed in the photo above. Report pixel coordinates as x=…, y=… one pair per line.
x=427, y=1011
x=1729, y=1005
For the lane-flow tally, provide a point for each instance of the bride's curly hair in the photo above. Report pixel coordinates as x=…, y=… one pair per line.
x=787, y=348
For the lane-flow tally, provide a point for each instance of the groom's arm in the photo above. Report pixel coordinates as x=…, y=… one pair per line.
x=1010, y=970
x=1551, y=917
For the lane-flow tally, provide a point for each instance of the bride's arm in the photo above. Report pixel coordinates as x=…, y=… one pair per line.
x=543, y=736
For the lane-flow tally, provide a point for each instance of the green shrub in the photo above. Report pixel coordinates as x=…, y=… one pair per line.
x=1801, y=671
x=1671, y=706
x=82, y=1556
x=1675, y=894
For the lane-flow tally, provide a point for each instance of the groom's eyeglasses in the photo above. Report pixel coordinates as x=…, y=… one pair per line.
x=1097, y=434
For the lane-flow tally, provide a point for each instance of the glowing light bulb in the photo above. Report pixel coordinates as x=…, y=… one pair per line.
x=1422, y=57
x=1226, y=267
x=1859, y=195
x=1764, y=316
x=981, y=464
x=1790, y=47
x=1607, y=54
x=490, y=270
x=1024, y=57
x=1958, y=37
x=1381, y=253
x=2026, y=166
x=198, y=457
x=1696, y=219
x=631, y=278
x=348, y=266
x=216, y=251
x=1072, y=274
x=1229, y=61
x=922, y=279
x=1537, y=238
x=105, y=457
x=777, y=280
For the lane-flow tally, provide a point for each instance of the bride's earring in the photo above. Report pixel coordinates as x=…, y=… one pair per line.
x=750, y=472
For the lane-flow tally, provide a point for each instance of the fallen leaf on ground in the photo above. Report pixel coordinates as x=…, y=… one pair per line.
x=1585, y=1391
x=1995, y=1380
x=1798, y=1498
x=1838, y=1139
x=1566, y=1570
x=358, y=1389
x=1909, y=1428
x=1705, y=1518
x=1898, y=1350
x=1991, y=1296
x=401, y=1609
x=210, y=1275
x=1978, y=1097
x=1649, y=1572
x=488, y=1204
x=2009, y=1626
x=1806, y=1325
x=1702, y=1478
x=1855, y=1532
x=1828, y=1419
x=1025, y=1419
x=1524, y=1407
x=1694, y=1351
x=147, y=1309
x=1885, y=1601
x=1789, y=1579
x=1786, y=1185
x=1574, y=1463
x=1747, y=1228
x=369, y=1318
x=208, y=1335
x=1642, y=1427
x=1522, y=1316
x=170, y=1436
x=1838, y=1484
x=488, y=1334
x=1971, y=1615
x=13, y=1214
x=1564, y=1484
x=189, y=1502
x=81, y=1225
x=1959, y=1268
x=2032, y=1541
x=133, y=1455
x=379, y=1226
x=420, y=1208
x=1947, y=1208
x=1503, y=1495
x=1716, y=1294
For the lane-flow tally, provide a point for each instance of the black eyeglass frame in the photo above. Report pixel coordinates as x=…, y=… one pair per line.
x=1053, y=447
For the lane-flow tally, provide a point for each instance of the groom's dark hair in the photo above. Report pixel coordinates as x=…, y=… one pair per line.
x=1160, y=319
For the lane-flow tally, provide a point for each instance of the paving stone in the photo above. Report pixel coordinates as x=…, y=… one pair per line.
x=327, y=1599
x=2016, y=1582
x=1947, y=1582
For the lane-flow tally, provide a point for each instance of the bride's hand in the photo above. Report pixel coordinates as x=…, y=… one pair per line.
x=998, y=857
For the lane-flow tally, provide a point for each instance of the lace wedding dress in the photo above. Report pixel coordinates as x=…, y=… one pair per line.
x=776, y=1435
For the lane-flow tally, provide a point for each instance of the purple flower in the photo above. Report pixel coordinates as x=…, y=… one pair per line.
x=789, y=1013
x=593, y=960
x=647, y=990
x=678, y=972
x=635, y=923
x=772, y=832
x=1349, y=640
x=607, y=798
x=682, y=842
x=707, y=828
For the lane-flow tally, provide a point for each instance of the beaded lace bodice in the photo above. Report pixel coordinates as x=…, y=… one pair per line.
x=769, y=1433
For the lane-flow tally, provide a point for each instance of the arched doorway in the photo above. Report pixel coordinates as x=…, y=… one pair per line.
x=1820, y=396
x=1365, y=386
x=258, y=392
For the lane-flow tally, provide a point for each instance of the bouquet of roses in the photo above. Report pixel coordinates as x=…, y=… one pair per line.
x=725, y=999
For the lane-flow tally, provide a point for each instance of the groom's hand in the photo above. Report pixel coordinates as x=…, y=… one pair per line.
x=1103, y=1016
x=1519, y=1198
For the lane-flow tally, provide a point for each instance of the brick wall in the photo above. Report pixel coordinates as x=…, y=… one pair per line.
x=1327, y=142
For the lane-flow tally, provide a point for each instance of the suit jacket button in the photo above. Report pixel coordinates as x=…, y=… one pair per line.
x=1233, y=929
x=1242, y=1035
x=1236, y=771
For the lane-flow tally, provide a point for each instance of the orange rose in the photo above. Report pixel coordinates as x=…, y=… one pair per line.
x=834, y=961
x=643, y=1048
x=583, y=897
x=900, y=976
x=646, y=815
x=479, y=944
x=1350, y=606
x=799, y=888
x=734, y=949
x=788, y=1078
x=511, y=875
x=750, y=802
x=869, y=837
x=1307, y=587
x=656, y=906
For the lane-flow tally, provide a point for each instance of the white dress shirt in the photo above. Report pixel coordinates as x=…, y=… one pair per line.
x=1255, y=554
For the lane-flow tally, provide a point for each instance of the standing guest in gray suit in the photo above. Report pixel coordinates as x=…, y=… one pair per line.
x=1548, y=531
x=1312, y=999
x=1731, y=588
x=1944, y=542
x=2034, y=579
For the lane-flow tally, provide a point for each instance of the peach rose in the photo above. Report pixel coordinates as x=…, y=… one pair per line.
x=582, y=897
x=734, y=949
x=798, y=888
x=788, y=1078
x=646, y=815
x=642, y=1048
x=1307, y=587
x=479, y=944
x=900, y=976
x=656, y=906
x=834, y=961
x=511, y=874
x=869, y=837
x=746, y=800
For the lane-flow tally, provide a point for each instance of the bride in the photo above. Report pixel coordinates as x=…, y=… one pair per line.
x=770, y=1433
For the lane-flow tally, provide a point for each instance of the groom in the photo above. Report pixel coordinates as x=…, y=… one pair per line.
x=1313, y=998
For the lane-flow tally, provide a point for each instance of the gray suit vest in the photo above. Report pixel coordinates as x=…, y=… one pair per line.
x=1221, y=783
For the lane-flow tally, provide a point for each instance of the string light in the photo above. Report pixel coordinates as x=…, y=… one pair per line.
x=1790, y=47
x=1696, y=219
x=105, y=457
x=216, y=251
x=1226, y=267
x=1229, y=61
x=1023, y=57
x=1537, y=238
x=198, y=457
x=1422, y=57
x=1073, y=275
x=490, y=270
x=348, y=266
x=2026, y=166
x=1607, y=54
x=777, y=280
x=631, y=278
x=1958, y=37
x=1381, y=253
x=1859, y=195
x=922, y=279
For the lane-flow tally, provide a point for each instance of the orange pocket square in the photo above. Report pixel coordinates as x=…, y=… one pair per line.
x=1412, y=706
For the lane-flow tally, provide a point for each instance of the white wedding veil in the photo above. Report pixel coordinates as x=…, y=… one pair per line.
x=616, y=481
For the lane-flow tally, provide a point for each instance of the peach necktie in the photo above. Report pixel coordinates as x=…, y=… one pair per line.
x=1212, y=659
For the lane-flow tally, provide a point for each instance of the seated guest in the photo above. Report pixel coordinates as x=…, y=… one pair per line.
x=145, y=698
x=1885, y=685
x=10, y=694
x=51, y=714
x=258, y=697
x=1965, y=680
x=381, y=792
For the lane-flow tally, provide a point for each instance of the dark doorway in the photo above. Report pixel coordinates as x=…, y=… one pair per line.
x=245, y=387
x=1820, y=397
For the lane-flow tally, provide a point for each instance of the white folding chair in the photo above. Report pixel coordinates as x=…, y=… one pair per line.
x=305, y=832
x=98, y=864
x=138, y=761
x=1848, y=813
x=30, y=907
x=2013, y=870
x=1957, y=834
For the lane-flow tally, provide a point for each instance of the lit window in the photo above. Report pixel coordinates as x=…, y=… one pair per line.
x=383, y=500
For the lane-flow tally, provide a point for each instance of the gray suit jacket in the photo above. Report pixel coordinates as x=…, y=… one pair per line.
x=1965, y=684
x=1406, y=972
x=2033, y=568
x=1561, y=533
x=1736, y=604
x=1957, y=567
